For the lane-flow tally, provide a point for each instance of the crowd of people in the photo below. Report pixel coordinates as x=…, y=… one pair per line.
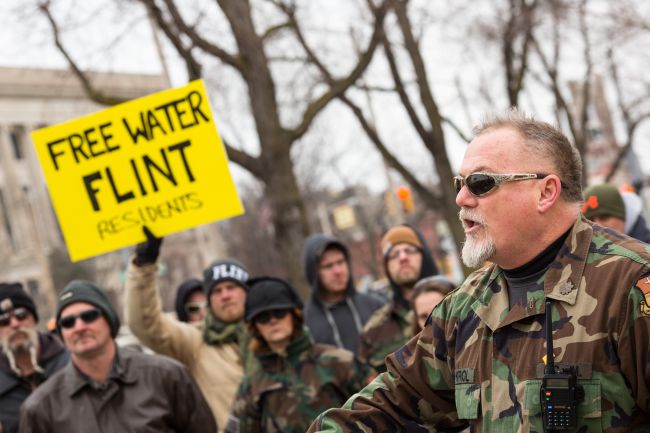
x=244, y=353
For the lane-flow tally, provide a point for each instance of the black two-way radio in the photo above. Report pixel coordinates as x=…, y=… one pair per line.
x=560, y=392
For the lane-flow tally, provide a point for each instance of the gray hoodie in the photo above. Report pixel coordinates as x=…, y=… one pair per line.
x=338, y=324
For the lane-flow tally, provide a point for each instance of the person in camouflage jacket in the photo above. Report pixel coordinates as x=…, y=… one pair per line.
x=480, y=358
x=407, y=259
x=295, y=379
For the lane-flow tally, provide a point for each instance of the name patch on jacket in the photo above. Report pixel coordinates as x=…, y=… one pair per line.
x=464, y=375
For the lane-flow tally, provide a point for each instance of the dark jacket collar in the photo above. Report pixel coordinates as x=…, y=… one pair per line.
x=76, y=380
x=299, y=345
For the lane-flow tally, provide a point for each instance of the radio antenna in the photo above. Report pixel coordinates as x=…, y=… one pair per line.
x=550, y=364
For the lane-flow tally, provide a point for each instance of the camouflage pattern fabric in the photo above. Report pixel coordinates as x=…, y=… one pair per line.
x=286, y=393
x=388, y=329
x=479, y=362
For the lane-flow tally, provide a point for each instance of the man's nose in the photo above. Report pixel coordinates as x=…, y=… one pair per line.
x=14, y=322
x=464, y=198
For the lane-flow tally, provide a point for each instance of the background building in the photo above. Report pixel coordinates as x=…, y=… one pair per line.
x=33, y=249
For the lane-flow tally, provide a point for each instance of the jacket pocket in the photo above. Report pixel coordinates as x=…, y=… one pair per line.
x=468, y=399
x=589, y=410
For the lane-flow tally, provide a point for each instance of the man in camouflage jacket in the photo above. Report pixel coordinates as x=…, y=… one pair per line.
x=407, y=259
x=479, y=360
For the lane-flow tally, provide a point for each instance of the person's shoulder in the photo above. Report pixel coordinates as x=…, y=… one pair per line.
x=332, y=353
x=373, y=301
x=378, y=318
x=612, y=251
x=608, y=242
x=150, y=361
x=51, y=389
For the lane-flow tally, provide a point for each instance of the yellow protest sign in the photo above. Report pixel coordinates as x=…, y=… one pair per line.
x=155, y=161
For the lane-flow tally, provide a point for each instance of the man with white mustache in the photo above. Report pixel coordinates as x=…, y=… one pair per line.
x=28, y=357
x=552, y=276
x=476, y=250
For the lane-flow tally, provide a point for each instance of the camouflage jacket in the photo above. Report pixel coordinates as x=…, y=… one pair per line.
x=388, y=329
x=478, y=362
x=286, y=393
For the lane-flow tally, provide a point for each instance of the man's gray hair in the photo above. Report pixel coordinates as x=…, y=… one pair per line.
x=546, y=141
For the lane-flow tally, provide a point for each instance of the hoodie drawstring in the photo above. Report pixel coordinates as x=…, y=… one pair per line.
x=335, y=328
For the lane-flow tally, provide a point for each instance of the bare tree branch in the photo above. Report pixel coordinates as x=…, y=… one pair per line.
x=374, y=88
x=631, y=123
x=586, y=83
x=92, y=92
x=273, y=30
x=463, y=100
x=407, y=174
x=456, y=129
x=337, y=86
x=197, y=40
x=520, y=21
x=422, y=130
x=426, y=95
x=193, y=67
x=250, y=163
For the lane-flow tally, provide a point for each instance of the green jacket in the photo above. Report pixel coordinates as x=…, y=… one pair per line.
x=479, y=362
x=286, y=393
x=388, y=329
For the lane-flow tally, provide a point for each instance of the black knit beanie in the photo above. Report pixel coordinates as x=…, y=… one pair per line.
x=13, y=296
x=224, y=270
x=84, y=291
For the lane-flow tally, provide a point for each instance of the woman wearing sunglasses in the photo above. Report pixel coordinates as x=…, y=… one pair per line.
x=293, y=380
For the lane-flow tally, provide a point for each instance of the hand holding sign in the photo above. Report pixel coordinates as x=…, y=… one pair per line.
x=147, y=252
x=156, y=161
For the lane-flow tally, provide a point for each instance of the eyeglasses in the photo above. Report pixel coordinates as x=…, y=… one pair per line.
x=265, y=317
x=88, y=316
x=480, y=184
x=19, y=313
x=195, y=307
x=409, y=251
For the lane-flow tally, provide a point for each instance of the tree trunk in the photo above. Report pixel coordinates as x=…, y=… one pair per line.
x=290, y=220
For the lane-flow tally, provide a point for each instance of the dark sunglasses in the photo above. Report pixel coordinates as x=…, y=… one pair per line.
x=480, y=184
x=88, y=316
x=265, y=317
x=19, y=313
x=195, y=307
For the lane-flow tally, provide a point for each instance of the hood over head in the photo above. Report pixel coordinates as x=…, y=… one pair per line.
x=186, y=288
x=315, y=246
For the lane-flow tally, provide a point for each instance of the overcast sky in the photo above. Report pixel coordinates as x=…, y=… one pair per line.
x=25, y=40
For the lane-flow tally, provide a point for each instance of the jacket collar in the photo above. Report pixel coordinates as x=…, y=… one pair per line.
x=120, y=372
x=561, y=282
x=295, y=349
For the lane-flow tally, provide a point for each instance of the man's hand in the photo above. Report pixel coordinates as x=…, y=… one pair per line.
x=147, y=251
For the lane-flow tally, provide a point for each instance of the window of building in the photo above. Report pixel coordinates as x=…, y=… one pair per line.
x=17, y=136
x=7, y=223
x=32, y=288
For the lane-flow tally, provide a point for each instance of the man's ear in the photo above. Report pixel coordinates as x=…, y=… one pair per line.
x=549, y=192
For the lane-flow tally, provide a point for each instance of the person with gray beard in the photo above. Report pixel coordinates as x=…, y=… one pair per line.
x=28, y=357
